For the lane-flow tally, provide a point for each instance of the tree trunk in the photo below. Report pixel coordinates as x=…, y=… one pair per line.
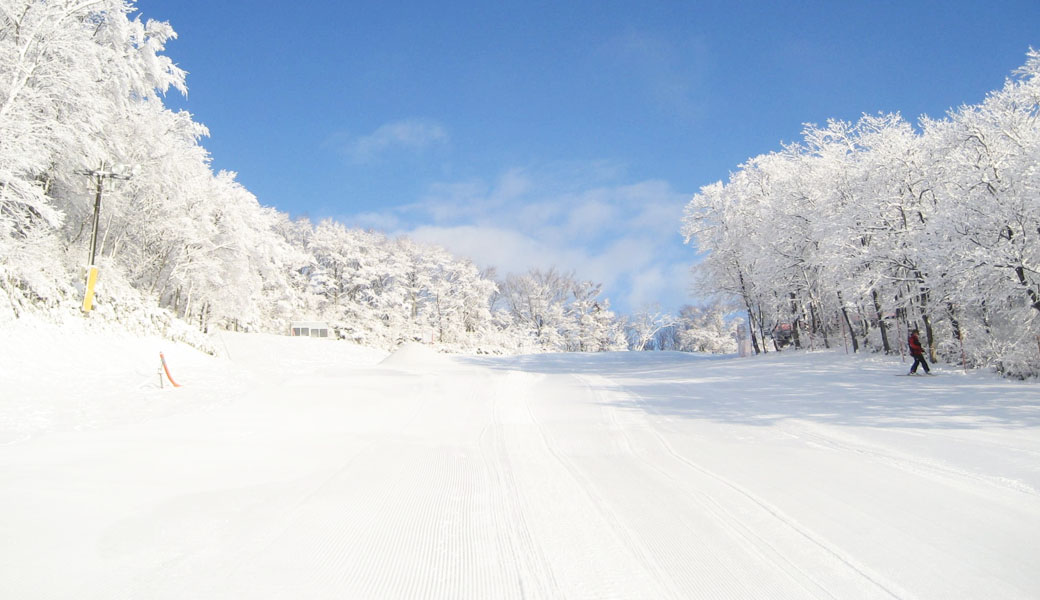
x=864, y=323
x=848, y=324
x=931, y=337
x=1033, y=296
x=203, y=322
x=817, y=324
x=751, y=330
x=762, y=330
x=881, y=322
x=750, y=313
x=187, y=303
x=796, y=316
x=957, y=333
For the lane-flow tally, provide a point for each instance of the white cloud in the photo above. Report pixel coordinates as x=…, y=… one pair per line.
x=646, y=288
x=507, y=250
x=624, y=236
x=633, y=270
x=543, y=200
x=665, y=285
x=409, y=134
x=512, y=185
x=591, y=214
x=378, y=221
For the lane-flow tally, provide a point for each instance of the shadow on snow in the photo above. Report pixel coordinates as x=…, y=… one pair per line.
x=825, y=387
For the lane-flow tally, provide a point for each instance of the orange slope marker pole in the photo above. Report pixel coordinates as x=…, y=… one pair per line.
x=167, y=369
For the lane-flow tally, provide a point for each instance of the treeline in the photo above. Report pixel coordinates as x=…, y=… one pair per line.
x=379, y=291
x=863, y=230
x=81, y=97
x=81, y=106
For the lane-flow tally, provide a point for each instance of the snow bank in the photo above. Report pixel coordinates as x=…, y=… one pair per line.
x=334, y=471
x=413, y=356
x=82, y=375
x=271, y=354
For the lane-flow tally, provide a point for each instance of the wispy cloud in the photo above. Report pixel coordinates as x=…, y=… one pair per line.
x=671, y=73
x=409, y=134
x=508, y=250
x=571, y=201
x=578, y=217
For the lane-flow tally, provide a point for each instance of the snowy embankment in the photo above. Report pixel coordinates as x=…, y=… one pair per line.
x=298, y=468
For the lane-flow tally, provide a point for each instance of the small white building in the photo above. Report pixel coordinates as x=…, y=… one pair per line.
x=315, y=329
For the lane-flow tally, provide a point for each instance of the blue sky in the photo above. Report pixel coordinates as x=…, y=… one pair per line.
x=566, y=134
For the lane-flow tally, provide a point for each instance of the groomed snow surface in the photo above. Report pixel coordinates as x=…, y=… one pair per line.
x=298, y=468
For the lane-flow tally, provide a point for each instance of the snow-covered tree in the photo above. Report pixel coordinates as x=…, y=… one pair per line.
x=81, y=96
x=644, y=326
x=705, y=329
x=866, y=229
x=72, y=73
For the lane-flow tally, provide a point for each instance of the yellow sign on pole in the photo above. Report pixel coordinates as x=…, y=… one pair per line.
x=88, y=299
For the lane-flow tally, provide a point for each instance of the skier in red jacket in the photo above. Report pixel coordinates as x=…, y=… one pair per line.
x=917, y=352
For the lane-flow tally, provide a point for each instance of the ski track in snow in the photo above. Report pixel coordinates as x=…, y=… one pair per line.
x=312, y=474
x=761, y=545
x=624, y=536
x=904, y=461
x=525, y=559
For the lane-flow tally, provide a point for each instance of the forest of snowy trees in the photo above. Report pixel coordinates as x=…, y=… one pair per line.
x=849, y=237
x=182, y=249
x=865, y=229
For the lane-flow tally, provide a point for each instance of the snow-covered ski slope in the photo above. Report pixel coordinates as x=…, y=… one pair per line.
x=298, y=468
